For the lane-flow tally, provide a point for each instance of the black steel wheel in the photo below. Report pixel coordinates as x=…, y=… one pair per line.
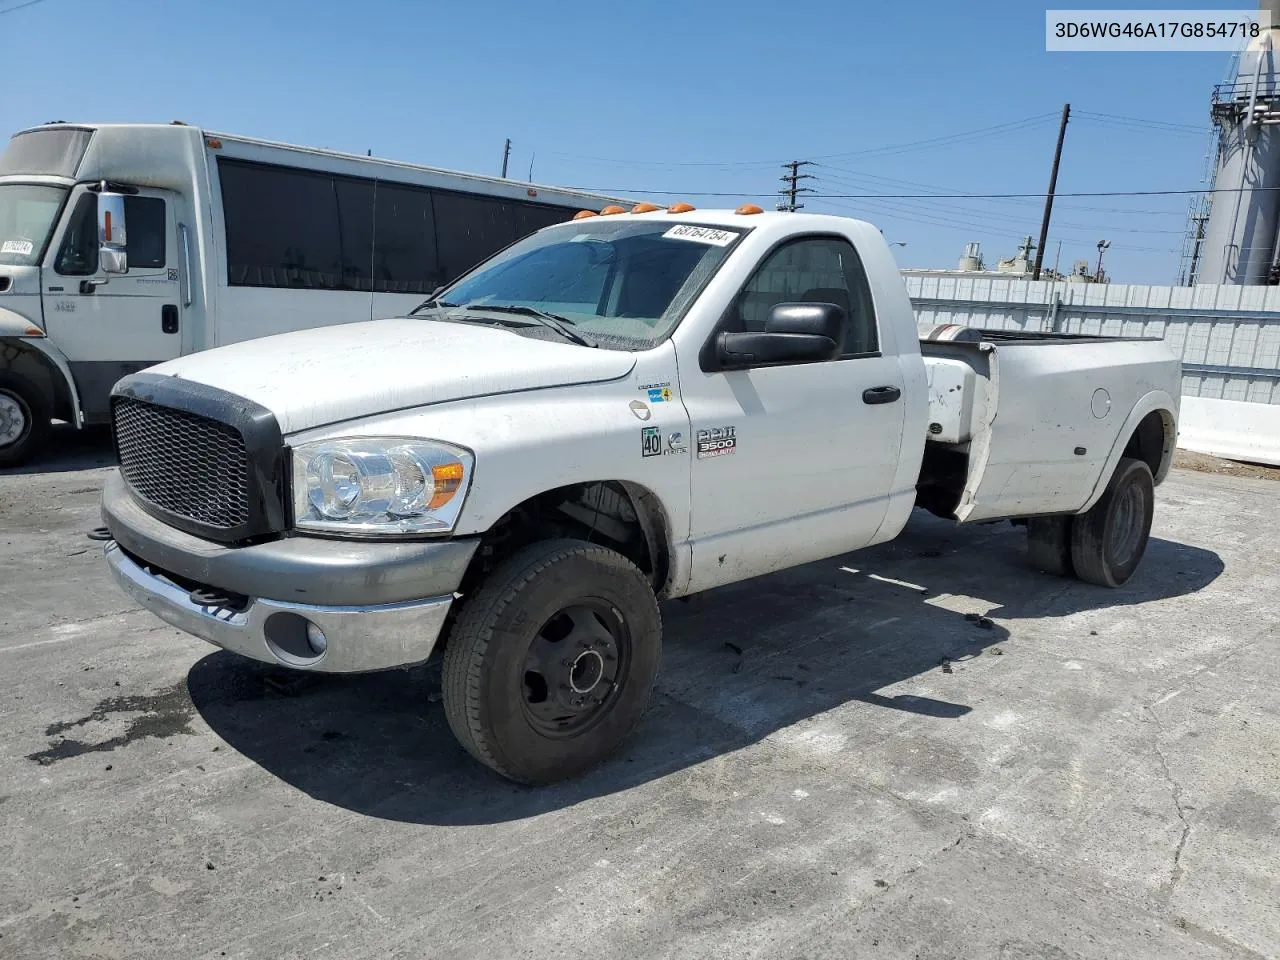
x=551, y=662
x=1109, y=540
x=24, y=420
x=572, y=668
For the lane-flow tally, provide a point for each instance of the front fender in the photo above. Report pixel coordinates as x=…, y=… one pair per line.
x=1156, y=400
x=14, y=324
x=56, y=359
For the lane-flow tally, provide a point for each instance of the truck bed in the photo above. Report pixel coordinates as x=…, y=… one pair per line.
x=1026, y=424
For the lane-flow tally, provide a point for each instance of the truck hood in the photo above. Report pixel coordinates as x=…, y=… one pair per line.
x=325, y=375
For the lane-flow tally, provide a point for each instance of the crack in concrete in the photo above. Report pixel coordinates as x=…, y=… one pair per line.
x=1177, y=871
x=96, y=617
x=1211, y=938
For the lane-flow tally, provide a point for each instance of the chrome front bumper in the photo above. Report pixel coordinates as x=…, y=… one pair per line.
x=379, y=604
x=358, y=638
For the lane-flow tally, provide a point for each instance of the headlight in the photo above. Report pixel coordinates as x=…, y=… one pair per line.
x=379, y=486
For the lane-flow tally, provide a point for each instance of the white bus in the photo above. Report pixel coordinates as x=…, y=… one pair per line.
x=122, y=245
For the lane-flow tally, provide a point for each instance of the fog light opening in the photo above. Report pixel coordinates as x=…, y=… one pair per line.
x=316, y=639
x=294, y=640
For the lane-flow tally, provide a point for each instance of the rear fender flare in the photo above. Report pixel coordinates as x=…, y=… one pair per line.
x=1156, y=400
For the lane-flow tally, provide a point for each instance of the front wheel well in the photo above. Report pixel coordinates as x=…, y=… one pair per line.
x=617, y=514
x=1153, y=442
x=25, y=361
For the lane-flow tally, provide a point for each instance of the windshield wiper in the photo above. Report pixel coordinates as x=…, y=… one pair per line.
x=555, y=322
x=431, y=304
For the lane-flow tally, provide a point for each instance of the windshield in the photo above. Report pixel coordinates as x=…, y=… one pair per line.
x=27, y=215
x=56, y=151
x=625, y=283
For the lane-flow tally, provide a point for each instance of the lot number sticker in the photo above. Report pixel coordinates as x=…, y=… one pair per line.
x=20, y=247
x=689, y=231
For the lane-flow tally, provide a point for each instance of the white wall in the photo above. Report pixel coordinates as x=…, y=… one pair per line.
x=1228, y=337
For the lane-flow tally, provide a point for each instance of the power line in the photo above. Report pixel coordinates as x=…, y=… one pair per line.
x=940, y=191
x=972, y=223
x=928, y=196
x=887, y=211
x=1142, y=121
x=999, y=129
x=29, y=3
x=1021, y=219
x=945, y=141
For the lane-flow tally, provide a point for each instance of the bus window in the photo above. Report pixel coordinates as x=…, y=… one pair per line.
x=405, y=242
x=470, y=229
x=355, y=232
x=288, y=227
x=282, y=227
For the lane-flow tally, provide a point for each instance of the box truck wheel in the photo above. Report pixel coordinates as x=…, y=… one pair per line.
x=24, y=420
x=1109, y=539
x=550, y=663
x=1049, y=545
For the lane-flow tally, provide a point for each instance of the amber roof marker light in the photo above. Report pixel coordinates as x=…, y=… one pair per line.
x=681, y=208
x=612, y=209
x=748, y=208
x=583, y=214
x=645, y=208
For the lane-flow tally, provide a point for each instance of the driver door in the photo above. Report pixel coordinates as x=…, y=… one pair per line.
x=793, y=462
x=110, y=326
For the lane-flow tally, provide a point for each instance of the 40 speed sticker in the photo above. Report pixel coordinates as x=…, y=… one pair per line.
x=717, y=442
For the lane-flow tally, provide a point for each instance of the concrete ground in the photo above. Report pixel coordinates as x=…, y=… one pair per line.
x=838, y=764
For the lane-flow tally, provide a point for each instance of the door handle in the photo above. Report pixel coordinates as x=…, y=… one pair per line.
x=169, y=318
x=881, y=395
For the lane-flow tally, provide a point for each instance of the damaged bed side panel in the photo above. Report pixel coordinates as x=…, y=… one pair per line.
x=1046, y=417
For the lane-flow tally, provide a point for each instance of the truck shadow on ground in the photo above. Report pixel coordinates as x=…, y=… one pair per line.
x=68, y=450
x=740, y=663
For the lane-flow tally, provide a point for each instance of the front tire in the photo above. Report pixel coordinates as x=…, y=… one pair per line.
x=24, y=420
x=1108, y=540
x=550, y=664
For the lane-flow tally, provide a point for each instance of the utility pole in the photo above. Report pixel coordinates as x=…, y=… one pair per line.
x=792, y=179
x=1053, y=185
x=506, y=155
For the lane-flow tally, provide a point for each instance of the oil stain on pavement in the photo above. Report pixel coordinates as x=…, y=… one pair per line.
x=163, y=714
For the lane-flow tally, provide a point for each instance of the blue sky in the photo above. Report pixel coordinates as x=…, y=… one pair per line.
x=692, y=96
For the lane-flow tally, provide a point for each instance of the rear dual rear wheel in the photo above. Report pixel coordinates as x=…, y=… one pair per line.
x=1105, y=544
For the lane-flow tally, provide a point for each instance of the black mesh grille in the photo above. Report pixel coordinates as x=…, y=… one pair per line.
x=183, y=463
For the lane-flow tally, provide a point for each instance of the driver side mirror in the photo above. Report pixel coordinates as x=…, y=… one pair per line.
x=794, y=333
x=112, y=233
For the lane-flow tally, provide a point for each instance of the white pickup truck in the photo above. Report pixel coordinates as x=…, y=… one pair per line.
x=612, y=412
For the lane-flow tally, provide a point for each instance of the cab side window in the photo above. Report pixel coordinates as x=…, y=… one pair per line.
x=78, y=255
x=146, y=223
x=145, y=220
x=812, y=270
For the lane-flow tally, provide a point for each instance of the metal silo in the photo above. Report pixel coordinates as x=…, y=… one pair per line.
x=1239, y=243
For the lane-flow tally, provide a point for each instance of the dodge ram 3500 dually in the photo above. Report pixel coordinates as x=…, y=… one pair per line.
x=615, y=411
